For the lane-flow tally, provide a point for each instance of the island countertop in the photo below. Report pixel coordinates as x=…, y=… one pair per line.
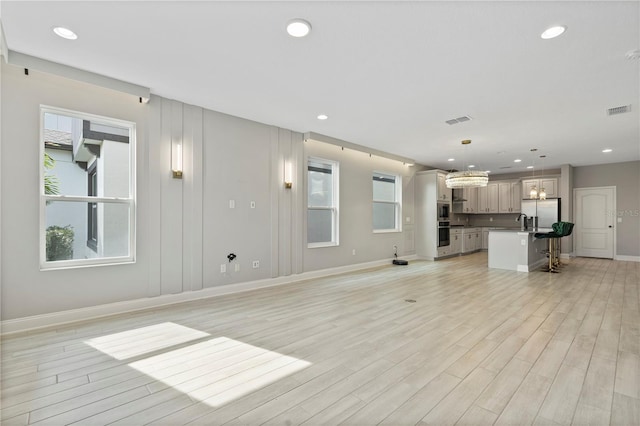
x=518, y=230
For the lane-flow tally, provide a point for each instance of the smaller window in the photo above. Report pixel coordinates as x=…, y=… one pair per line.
x=322, y=203
x=386, y=202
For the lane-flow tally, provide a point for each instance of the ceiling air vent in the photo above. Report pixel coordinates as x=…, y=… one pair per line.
x=458, y=120
x=619, y=110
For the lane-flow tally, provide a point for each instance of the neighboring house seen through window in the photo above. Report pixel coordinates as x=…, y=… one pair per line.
x=322, y=211
x=87, y=190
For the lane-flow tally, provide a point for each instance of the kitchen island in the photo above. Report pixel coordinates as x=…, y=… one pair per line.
x=516, y=250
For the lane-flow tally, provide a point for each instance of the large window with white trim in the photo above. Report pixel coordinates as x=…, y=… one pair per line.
x=87, y=189
x=322, y=210
x=387, y=196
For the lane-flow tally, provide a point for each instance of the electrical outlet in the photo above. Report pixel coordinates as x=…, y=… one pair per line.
x=253, y=204
x=490, y=219
x=353, y=252
x=237, y=267
x=408, y=219
x=232, y=204
x=256, y=264
x=223, y=268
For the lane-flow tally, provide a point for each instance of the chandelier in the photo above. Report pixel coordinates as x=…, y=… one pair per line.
x=466, y=178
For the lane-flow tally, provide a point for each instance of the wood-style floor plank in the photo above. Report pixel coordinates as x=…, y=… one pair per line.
x=477, y=347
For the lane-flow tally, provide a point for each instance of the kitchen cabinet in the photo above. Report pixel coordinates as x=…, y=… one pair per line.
x=456, y=241
x=444, y=193
x=550, y=185
x=444, y=251
x=516, y=198
x=470, y=240
x=485, y=238
x=487, y=198
x=471, y=203
x=509, y=193
x=428, y=193
x=465, y=200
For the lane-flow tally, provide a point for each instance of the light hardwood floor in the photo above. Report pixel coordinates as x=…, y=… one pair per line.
x=477, y=347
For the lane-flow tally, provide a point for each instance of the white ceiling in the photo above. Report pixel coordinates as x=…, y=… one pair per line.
x=388, y=74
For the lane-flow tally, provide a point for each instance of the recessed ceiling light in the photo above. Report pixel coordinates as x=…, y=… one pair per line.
x=451, y=159
x=298, y=28
x=553, y=32
x=529, y=167
x=323, y=117
x=488, y=171
x=65, y=33
x=607, y=150
x=471, y=166
x=517, y=160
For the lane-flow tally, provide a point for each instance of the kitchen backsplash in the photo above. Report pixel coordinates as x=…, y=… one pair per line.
x=502, y=220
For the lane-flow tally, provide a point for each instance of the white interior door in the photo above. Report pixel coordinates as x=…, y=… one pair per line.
x=594, y=211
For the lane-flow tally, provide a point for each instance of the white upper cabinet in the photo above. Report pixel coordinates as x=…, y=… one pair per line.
x=550, y=185
x=444, y=193
x=487, y=198
x=509, y=196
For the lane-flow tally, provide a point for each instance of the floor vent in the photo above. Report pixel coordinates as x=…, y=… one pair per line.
x=458, y=120
x=619, y=110
x=410, y=300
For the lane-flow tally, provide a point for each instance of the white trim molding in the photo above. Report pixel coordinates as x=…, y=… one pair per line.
x=625, y=258
x=55, y=319
x=26, y=61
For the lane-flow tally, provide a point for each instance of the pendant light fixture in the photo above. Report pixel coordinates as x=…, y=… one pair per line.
x=533, y=194
x=466, y=178
x=543, y=194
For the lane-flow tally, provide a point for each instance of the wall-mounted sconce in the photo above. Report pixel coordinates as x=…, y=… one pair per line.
x=176, y=159
x=288, y=172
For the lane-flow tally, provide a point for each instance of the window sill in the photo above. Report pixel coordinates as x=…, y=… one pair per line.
x=82, y=263
x=320, y=245
x=386, y=231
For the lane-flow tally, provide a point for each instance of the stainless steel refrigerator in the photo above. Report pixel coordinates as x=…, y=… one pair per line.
x=548, y=211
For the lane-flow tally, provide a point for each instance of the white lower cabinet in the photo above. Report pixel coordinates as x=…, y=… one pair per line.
x=485, y=238
x=470, y=240
x=444, y=251
x=456, y=241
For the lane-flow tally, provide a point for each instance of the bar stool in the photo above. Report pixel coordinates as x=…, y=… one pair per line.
x=560, y=229
x=564, y=229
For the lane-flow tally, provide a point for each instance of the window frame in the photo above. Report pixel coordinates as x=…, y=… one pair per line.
x=129, y=201
x=334, y=208
x=92, y=208
x=397, y=193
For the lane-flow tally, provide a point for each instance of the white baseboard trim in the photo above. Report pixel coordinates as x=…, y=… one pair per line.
x=54, y=319
x=627, y=258
x=528, y=268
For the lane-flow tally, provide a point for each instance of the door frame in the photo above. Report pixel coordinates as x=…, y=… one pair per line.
x=613, y=213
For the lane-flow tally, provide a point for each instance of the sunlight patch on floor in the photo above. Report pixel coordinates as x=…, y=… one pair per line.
x=214, y=371
x=217, y=371
x=140, y=341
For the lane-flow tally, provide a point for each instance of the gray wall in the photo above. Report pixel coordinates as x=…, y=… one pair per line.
x=185, y=227
x=26, y=290
x=356, y=209
x=626, y=178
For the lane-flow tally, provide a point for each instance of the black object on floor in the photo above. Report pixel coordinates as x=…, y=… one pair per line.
x=400, y=262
